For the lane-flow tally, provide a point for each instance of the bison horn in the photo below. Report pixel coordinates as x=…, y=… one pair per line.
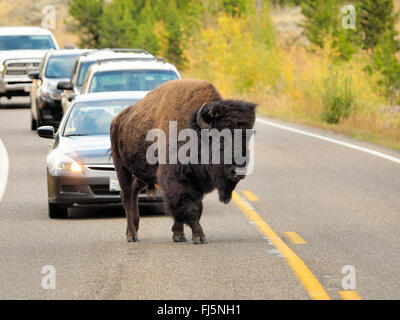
x=200, y=121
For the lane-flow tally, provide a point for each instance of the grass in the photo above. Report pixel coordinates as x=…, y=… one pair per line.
x=383, y=137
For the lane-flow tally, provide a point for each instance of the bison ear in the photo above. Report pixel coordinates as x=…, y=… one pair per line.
x=252, y=106
x=249, y=105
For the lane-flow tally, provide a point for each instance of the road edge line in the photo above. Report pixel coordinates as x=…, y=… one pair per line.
x=306, y=277
x=4, y=164
x=342, y=143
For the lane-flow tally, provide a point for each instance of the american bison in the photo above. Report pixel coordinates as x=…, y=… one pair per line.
x=193, y=104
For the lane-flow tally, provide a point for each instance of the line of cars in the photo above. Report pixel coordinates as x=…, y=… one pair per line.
x=75, y=93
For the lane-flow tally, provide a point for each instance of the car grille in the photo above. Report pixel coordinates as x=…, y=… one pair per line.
x=102, y=189
x=23, y=65
x=16, y=72
x=68, y=188
x=20, y=68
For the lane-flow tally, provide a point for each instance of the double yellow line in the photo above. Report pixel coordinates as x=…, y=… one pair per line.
x=310, y=282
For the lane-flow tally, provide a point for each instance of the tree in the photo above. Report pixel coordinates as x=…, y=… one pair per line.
x=132, y=23
x=118, y=26
x=145, y=32
x=178, y=19
x=173, y=24
x=385, y=60
x=323, y=21
x=376, y=18
x=320, y=19
x=87, y=15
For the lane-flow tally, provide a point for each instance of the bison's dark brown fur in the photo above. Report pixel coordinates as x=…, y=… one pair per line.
x=183, y=185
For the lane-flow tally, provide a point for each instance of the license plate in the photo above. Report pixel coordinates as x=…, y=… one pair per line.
x=114, y=185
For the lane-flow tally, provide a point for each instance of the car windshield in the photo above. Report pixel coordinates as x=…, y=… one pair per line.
x=82, y=72
x=87, y=119
x=130, y=80
x=60, y=66
x=26, y=43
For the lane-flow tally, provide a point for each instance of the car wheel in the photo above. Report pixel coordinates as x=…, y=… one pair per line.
x=57, y=212
x=34, y=124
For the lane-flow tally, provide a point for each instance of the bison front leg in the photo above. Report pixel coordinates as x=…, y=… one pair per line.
x=178, y=234
x=198, y=236
x=186, y=208
x=189, y=212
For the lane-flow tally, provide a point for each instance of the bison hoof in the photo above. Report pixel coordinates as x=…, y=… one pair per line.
x=199, y=240
x=132, y=239
x=179, y=238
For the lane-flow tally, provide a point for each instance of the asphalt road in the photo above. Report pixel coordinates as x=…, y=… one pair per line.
x=344, y=203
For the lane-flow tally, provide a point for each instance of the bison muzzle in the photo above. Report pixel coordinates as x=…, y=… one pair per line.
x=195, y=105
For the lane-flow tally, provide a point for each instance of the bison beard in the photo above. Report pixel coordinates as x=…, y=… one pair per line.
x=192, y=104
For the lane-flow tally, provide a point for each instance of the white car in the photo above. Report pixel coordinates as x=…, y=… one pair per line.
x=21, y=51
x=73, y=87
x=128, y=75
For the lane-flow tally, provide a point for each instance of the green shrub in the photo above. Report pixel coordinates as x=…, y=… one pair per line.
x=337, y=98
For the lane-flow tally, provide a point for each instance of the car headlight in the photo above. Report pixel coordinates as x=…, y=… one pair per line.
x=60, y=162
x=1, y=67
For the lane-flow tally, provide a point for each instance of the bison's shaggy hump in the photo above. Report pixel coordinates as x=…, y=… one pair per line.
x=192, y=104
x=173, y=100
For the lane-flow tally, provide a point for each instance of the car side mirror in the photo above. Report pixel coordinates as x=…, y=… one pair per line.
x=71, y=97
x=34, y=75
x=46, y=132
x=64, y=85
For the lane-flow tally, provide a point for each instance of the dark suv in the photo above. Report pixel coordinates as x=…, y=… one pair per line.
x=45, y=97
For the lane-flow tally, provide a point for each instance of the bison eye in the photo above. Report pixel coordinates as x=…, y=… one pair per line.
x=214, y=114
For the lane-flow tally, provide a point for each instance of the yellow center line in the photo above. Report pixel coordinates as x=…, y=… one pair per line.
x=310, y=282
x=349, y=295
x=250, y=195
x=295, y=238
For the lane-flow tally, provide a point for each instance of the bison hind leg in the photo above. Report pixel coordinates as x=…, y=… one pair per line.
x=130, y=188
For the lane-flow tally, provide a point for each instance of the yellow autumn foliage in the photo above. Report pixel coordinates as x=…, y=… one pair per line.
x=230, y=57
x=241, y=57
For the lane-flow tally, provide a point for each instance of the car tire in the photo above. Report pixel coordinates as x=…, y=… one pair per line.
x=57, y=212
x=34, y=123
